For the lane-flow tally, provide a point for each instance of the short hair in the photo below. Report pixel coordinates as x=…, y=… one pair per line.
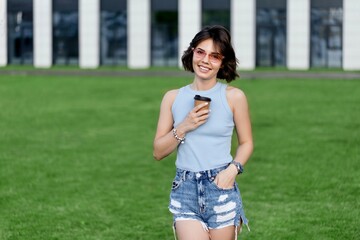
x=222, y=41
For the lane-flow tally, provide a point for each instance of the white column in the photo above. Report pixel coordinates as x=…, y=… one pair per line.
x=351, y=35
x=89, y=36
x=189, y=23
x=3, y=33
x=298, y=34
x=243, y=31
x=139, y=32
x=42, y=33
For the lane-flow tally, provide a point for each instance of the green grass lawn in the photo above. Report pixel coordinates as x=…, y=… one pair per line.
x=76, y=159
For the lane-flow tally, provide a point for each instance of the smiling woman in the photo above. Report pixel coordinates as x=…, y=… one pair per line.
x=205, y=199
x=219, y=39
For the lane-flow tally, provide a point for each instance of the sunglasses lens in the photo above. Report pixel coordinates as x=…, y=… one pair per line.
x=200, y=53
x=213, y=57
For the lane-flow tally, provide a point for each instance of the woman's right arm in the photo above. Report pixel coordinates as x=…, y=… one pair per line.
x=164, y=142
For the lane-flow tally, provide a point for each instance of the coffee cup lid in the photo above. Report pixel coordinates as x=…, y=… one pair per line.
x=201, y=98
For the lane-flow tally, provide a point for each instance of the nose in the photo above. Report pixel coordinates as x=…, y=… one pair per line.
x=206, y=58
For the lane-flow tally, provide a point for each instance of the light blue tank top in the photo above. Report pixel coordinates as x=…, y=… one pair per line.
x=208, y=146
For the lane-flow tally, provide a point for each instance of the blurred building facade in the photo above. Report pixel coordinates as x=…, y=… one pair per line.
x=295, y=34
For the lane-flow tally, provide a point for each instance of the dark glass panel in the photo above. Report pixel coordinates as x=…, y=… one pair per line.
x=65, y=5
x=326, y=3
x=271, y=33
x=273, y=4
x=65, y=32
x=164, y=32
x=20, y=31
x=326, y=33
x=113, y=34
x=216, y=13
x=215, y=5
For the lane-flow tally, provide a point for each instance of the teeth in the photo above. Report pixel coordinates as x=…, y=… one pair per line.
x=204, y=68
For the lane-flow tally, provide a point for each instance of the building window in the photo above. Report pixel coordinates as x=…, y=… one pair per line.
x=216, y=13
x=270, y=33
x=113, y=34
x=65, y=32
x=326, y=33
x=20, y=31
x=164, y=32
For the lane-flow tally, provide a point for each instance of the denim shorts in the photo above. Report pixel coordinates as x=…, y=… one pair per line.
x=195, y=196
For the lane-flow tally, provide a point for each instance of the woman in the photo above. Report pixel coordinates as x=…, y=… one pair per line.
x=205, y=199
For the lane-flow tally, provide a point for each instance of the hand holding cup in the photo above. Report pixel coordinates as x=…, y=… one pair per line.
x=200, y=100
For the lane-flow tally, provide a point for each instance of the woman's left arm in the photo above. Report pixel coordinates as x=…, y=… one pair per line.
x=239, y=106
x=240, y=109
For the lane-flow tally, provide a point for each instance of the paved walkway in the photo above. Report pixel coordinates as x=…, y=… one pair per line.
x=178, y=73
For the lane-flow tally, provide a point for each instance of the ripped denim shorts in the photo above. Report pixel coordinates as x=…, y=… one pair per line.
x=195, y=196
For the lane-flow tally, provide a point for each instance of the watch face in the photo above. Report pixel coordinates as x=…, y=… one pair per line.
x=238, y=167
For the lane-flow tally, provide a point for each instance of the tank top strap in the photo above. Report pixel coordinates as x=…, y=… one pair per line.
x=224, y=99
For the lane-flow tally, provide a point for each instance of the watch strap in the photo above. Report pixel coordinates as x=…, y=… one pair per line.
x=238, y=166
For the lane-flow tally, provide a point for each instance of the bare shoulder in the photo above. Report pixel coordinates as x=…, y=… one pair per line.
x=235, y=95
x=169, y=98
x=170, y=95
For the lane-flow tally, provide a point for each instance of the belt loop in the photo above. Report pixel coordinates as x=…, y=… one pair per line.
x=209, y=174
x=184, y=175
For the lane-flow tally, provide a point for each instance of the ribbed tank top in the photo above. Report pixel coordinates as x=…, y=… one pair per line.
x=208, y=146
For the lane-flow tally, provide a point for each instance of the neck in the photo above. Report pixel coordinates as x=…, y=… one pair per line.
x=202, y=85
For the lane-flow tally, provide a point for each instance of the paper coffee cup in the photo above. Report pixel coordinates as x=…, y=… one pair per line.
x=201, y=99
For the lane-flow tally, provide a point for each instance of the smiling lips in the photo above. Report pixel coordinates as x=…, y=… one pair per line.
x=204, y=69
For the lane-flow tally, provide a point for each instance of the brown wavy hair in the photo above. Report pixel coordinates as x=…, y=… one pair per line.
x=222, y=41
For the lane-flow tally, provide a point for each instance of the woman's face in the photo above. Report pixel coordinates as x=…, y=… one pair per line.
x=207, y=60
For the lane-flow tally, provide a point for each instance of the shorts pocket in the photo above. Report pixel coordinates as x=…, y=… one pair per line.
x=222, y=189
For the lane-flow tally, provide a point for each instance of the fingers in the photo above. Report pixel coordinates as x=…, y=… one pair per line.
x=223, y=182
x=203, y=117
x=200, y=106
x=199, y=117
x=196, y=117
x=202, y=112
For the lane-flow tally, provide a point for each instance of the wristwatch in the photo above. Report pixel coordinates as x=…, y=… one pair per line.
x=238, y=166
